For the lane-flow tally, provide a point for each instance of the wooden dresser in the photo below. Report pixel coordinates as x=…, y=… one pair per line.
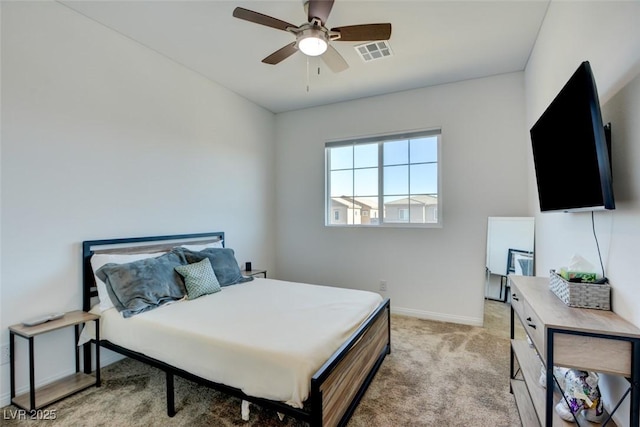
x=586, y=339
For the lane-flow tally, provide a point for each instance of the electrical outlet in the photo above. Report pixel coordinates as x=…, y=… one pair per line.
x=5, y=355
x=383, y=286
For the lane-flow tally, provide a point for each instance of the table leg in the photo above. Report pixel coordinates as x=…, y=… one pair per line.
x=32, y=381
x=12, y=363
x=97, y=324
x=635, y=384
x=550, y=385
x=75, y=343
x=512, y=356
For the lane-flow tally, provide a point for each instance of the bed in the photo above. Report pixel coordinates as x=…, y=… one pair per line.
x=267, y=352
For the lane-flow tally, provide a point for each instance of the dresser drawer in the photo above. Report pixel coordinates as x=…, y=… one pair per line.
x=516, y=301
x=534, y=327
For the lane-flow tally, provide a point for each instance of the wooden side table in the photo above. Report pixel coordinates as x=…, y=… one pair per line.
x=50, y=393
x=254, y=272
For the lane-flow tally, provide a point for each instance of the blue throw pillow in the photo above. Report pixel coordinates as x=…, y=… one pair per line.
x=224, y=264
x=143, y=285
x=199, y=279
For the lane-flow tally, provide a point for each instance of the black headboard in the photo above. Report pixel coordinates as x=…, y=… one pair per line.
x=133, y=245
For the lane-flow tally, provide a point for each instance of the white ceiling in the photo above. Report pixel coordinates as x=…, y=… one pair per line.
x=433, y=42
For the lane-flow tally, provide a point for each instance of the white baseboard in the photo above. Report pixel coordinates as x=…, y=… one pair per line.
x=106, y=358
x=428, y=315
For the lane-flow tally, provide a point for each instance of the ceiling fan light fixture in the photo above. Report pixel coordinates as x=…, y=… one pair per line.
x=313, y=37
x=313, y=42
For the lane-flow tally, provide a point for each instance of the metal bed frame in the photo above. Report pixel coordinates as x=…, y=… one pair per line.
x=336, y=388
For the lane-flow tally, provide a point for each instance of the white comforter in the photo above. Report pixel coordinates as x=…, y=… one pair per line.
x=266, y=337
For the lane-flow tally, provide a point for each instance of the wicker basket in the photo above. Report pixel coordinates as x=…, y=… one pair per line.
x=583, y=295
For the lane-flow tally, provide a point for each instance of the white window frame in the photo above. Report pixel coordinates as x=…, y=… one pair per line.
x=381, y=139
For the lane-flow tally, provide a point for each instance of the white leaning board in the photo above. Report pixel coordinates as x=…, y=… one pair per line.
x=504, y=233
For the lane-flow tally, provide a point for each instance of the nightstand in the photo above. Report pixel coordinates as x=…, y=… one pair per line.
x=50, y=393
x=254, y=272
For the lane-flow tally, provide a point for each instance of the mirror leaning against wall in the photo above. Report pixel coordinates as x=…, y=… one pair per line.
x=510, y=250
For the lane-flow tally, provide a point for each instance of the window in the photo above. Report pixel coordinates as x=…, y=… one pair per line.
x=384, y=181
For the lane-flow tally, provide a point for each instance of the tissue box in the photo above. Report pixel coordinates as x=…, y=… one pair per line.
x=583, y=295
x=585, y=277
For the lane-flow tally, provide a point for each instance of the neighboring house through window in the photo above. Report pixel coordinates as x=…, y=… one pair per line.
x=396, y=175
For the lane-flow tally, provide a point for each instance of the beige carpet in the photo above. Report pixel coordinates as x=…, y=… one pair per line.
x=438, y=374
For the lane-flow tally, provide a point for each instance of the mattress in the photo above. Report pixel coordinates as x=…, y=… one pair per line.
x=265, y=337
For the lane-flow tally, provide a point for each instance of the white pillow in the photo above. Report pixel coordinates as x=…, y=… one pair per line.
x=198, y=248
x=98, y=260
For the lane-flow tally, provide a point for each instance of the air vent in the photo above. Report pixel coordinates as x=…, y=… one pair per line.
x=373, y=50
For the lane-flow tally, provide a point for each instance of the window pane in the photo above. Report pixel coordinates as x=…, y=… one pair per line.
x=396, y=180
x=396, y=152
x=424, y=178
x=366, y=182
x=396, y=209
x=341, y=157
x=342, y=183
x=424, y=149
x=366, y=155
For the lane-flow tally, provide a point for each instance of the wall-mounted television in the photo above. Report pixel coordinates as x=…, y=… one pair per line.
x=572, y=149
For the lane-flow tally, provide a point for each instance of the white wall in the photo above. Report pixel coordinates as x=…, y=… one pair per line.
x=434, y=273
x=3, y=377
x=103, y=138
x=606, y=33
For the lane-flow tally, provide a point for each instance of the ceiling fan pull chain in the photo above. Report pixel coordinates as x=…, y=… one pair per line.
x=307, y=74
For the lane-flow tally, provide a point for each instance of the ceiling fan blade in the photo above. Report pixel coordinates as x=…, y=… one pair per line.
x=319, y=9
x=281, y=54
x=364, y=33
x=334, y=60
x=259, y=18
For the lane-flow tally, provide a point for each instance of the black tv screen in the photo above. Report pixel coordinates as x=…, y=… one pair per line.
x=571, y=150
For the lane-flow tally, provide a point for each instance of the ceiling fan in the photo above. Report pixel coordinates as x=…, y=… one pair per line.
x=313, y=37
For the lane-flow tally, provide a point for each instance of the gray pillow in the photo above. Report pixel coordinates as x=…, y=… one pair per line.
x=224, y=264
x=143, y=285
